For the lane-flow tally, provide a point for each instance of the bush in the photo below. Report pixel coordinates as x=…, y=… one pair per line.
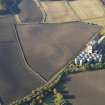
x=58, y=99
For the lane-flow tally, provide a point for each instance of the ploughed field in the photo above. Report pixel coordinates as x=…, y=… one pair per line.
x=48, y=47
x=16, y=79
x=31, y=57
x=29, y=12
x=85, y=88
x=58, y=11
x=7, y=19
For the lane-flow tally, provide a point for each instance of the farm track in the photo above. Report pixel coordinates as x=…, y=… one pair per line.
x=47, y=51
x=18, y=20
x=25, y=59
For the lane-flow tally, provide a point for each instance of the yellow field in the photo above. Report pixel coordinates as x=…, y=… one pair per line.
x=58, y=11
x=99, y=21
x=88, y=9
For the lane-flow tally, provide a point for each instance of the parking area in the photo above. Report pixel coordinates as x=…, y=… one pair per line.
x=58, y=11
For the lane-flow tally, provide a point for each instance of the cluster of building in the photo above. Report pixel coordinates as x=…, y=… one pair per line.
x=92, y=54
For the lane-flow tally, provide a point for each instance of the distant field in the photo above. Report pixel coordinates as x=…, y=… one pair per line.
x=58, y=11
x=88, y=9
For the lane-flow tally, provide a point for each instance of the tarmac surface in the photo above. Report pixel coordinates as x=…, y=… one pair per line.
x=85, y=88
x=48, y=47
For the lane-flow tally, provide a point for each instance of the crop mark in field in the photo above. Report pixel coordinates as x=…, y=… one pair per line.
x=25, y=59
x=44, y=14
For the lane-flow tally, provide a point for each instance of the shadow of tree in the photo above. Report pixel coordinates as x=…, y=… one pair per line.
x=66, y=94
